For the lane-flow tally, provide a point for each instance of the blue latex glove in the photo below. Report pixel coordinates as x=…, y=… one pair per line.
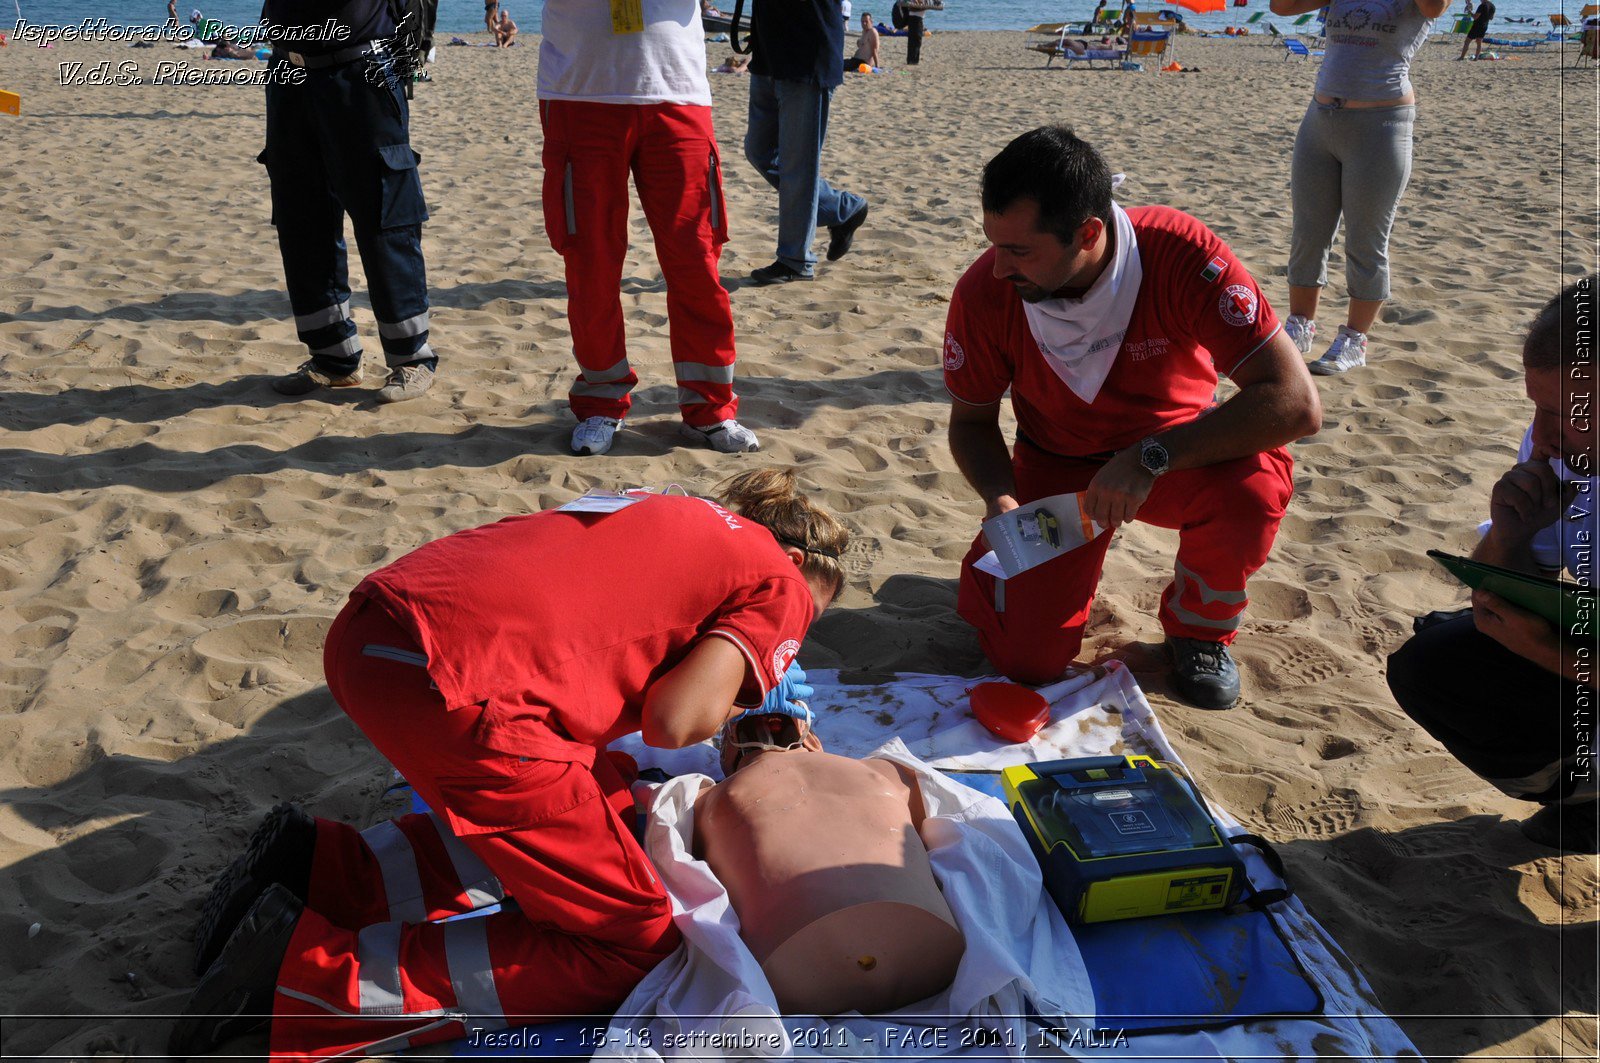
x=786, y=698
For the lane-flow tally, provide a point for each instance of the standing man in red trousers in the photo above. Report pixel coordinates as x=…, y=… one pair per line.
x=1110, y=327
x=622, y=88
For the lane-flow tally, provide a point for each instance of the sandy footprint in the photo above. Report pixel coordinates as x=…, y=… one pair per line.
x=1325, y=817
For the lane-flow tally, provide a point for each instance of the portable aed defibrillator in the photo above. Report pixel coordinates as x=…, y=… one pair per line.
x=1124, y=837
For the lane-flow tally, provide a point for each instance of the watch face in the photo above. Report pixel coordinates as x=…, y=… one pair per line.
x=1153, y=456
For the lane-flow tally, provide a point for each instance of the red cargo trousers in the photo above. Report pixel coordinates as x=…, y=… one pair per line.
x=589, y=151
x=1226, y=516
x=367, y=971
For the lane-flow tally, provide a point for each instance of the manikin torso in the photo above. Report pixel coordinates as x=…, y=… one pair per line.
x=826, y=870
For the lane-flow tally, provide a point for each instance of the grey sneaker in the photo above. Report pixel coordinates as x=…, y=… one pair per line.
x=1303, y=331
x=406, y=382
x=727, y=437
x=1347, y=352
x=594, y=435
x=308, y=378
x=1204, y=672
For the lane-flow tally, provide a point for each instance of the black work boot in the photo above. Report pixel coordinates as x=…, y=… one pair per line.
x=1570, y=828
x=235, y=995
x=1204, y=672
x=279, y=852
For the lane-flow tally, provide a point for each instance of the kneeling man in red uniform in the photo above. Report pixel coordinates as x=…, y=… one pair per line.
x=1110, y=328
x=492, y=668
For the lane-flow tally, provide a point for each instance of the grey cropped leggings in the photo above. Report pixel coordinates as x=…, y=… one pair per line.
x=1353, y=161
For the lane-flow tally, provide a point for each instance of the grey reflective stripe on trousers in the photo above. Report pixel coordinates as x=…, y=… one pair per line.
x=421, y=354
x=481, y=885
x=601, y=383
x=568, y=203
x=466, y=947
x=378, y=953
x=349, y=346
x=402, y=884
x=466, y=950
x=609, y=375
x=399, y=330
x=706, y=374
x=328, y=315
x=441, y=1017
x=689, y=397
x=1182, y=576
x=599, y=391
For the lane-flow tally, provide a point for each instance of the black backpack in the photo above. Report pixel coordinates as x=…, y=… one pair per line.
x=897, y=15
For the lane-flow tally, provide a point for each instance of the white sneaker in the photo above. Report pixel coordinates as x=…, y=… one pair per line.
x=1303, y=331
x=1348, y=350
x=406, y=382
x=594, y=435
x=728, y=437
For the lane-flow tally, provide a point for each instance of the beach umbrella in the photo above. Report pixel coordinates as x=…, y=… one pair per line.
x=1203, y=7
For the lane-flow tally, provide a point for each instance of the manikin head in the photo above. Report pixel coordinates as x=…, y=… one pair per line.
x=1046, y=211
x=748, y=737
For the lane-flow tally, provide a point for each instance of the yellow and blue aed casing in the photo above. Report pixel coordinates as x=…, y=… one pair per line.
x=1122, y=838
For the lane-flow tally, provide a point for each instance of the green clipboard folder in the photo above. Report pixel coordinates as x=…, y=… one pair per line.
x=1537, y=594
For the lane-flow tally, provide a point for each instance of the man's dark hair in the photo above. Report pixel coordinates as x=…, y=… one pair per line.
x=1066, y=177
x=1563, y=335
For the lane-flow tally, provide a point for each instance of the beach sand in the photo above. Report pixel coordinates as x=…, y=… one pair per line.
x=175, y=538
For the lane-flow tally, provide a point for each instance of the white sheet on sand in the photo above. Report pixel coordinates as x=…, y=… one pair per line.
x=710, y=1000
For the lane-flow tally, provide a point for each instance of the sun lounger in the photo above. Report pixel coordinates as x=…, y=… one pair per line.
x=1503, y=42
x=1110, y=56
x=1057, y=48
x=1295, y=48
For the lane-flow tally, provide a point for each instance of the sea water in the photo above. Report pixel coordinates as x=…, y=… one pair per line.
x=466, y=16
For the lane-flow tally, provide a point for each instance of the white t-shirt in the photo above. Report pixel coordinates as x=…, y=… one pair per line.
x=580, y=58
x=1570, y=542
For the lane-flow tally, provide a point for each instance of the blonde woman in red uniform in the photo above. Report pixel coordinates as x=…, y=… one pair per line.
x=491, y=668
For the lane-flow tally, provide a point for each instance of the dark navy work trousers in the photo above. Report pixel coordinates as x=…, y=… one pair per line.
x=338, y=144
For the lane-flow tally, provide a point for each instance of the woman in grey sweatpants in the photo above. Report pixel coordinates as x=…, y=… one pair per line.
x=1352, y=158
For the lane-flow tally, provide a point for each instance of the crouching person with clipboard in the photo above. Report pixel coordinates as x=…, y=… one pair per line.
x=1504, y=688
x=492, y=668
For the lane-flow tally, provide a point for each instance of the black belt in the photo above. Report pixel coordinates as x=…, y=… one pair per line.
x=322, y=62
x=1104, y=455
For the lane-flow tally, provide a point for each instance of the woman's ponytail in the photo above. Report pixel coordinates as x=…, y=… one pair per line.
x=772, y=497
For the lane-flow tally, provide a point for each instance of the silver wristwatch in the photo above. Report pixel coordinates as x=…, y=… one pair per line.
x=1153, y=457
